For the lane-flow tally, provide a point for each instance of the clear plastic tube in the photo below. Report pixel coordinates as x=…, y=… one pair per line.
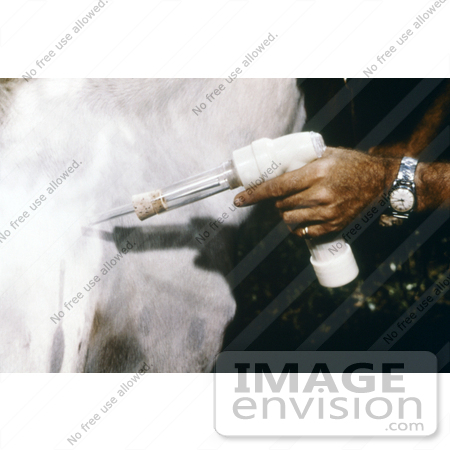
x=112, y=214
x=200, y=186
x=188, y=191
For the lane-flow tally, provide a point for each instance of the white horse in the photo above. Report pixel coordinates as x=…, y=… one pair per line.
x=71, y=299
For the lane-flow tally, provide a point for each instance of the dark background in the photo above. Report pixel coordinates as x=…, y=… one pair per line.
x=349, y=118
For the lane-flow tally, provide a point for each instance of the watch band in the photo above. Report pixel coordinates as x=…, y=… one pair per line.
x=407, y=169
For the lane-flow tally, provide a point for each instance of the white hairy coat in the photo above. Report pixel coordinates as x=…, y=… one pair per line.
x=166, y=302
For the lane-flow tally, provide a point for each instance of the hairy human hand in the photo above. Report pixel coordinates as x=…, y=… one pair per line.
x=328, y=193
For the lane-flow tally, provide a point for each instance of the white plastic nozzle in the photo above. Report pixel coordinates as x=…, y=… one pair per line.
x=270, y=158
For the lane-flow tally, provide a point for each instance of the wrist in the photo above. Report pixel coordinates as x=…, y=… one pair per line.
x=391, y=167
x=432, y=186
x=420, y=187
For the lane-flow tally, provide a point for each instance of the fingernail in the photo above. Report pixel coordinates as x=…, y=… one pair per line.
x=239, y=201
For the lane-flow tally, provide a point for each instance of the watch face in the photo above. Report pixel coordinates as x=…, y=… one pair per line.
x=402, y=200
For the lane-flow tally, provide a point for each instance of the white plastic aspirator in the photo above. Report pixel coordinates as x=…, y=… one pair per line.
x=250, y=166
x=333, y=262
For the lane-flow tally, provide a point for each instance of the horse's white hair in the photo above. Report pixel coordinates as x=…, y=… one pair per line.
x=166, y=301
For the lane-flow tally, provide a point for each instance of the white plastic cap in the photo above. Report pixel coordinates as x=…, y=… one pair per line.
x=333, y=263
